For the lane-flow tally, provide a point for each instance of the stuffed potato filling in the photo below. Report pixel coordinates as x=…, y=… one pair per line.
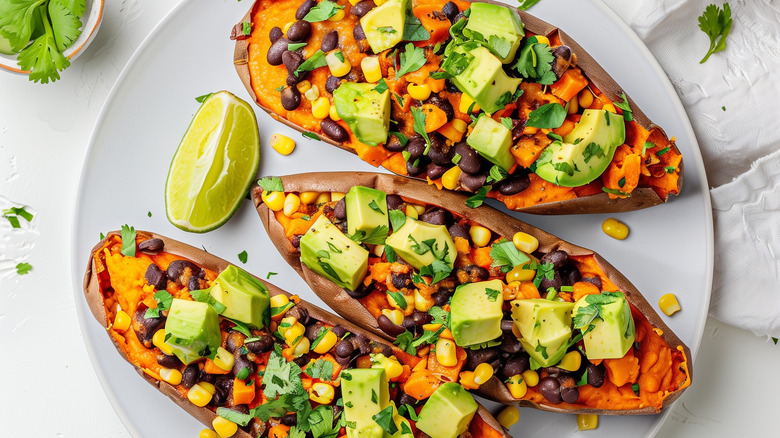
x=260, y=361
x=551, y=326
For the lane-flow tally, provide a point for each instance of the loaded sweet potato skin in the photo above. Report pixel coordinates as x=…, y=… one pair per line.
x=636, y=169
x=103, y=301
x=659, y=348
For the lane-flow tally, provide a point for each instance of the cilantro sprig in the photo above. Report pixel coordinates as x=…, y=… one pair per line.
x=535, y=62
x=412, y=59
x=716, y=23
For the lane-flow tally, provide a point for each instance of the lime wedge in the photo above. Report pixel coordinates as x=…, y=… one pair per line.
x=214, y=166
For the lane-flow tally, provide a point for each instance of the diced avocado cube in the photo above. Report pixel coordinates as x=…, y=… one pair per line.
x=366, y=391
x=366, y=111
x=447, y=412
x=384, y=25
x=585, y=153
x=545, y=326
x=613, y=332
x=328, y=252
x=492, y=140
x=476, y=312
x=484, y=79
x=498, y=22
x=366, y=209
x=246, y=298
x=420, y=243
x=192, y=330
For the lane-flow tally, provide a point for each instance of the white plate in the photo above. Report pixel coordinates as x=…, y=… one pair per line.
x=189, y=54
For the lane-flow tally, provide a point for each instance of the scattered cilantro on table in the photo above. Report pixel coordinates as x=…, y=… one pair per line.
x=716, y=23
x=23, y=268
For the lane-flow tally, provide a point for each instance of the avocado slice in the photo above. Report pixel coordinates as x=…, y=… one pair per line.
x=192, y=330
x=366, y=393
x=447, y=412
x=492, y=140
x=613, y=331
x=366, y=209
x=246, y=298
x=496, y=23
x=476, y=312
x=420, y=243
x=366, y=111
x=545, y=326
x=384, y=25
x=328, y=252
x=484, y=79
x=585, y=153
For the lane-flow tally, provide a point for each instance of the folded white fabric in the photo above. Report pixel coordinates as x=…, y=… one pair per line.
x=733, y=102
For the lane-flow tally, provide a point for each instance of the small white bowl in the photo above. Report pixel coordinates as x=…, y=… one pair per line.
x=93, y=16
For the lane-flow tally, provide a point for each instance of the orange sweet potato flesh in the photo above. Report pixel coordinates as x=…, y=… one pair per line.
x=663, y=359
x=113, y=280
x=653, y=187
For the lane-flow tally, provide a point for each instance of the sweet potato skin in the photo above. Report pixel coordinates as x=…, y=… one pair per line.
x=338, y=299
x=94, y=299
x=641, y=197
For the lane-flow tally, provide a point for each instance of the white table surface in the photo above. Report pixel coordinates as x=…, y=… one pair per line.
x=49, y=386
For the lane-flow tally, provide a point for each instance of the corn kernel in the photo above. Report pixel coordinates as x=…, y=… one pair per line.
x=121, y=321
x=392, y=368
x=338, y=16
x=669, y=304
x=327, y=342
x=531, y=378
x=308, y=197
x=480, y=236
x=571, y=361
x=419, y=92
x=273, y=200
x=337, y=196
x=614, y=228
x=371, y=69
x=379, y=250
x=303, y=86
x=171, y=375
x=293, y=335
x=302, y=347
x=334, y=114
x=208, y=387
x=224, y=427
x=339, y=65
x=465, y=103
x=408, y=309
x=282, y=144
x=321, y=393
x=421, y=303
x=459, y=125
x=419, y=208
x=467, y=380
x=446, y=353
x=573, y=107
x=394, y=315
x=587, y=421
x=585, y=98
x=312, y=93
x=517, y=386
x=508, y=416
x=198, y=395
x=451, y=178
x=159, y=341
x=482, y=373
x=609, y=107
x=224, y=359
x=279, y=300
x=322, y=198
x=207, y=433
x=291, y=204
x=541, y=39
x=286, y=26
x=320, y=108
x=520, y=273
x=354, y=2
x=525, y=242
x=411, y=212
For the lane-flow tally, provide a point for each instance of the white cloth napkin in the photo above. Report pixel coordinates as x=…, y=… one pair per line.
x=733, y=102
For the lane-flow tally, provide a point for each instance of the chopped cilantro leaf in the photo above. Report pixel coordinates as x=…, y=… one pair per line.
x=23, y=268
x=128, y=241
x=271, y=184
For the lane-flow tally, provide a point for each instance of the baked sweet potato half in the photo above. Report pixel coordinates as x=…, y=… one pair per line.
x=477, y=97
x=513, y=312
x=251, y=360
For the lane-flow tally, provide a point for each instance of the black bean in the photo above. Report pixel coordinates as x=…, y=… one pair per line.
x=377, y=348
x=442, y=297
x=302, y=360
x=483, y=355
x=360, y=343
x=340, y=211
x=394, y=202
x=388, y=326
x=563, y=57
x=436, y=216
x=393, y=144
x=190, y=376
x=313, y=330
x=151, y=245
x=571, y=275
x=299, y=313
x=275, y=33
x=299, y=31
x=156, y=277
x=276, y=50
x=472, y=274
x=506, y=325
x=332, y=83
x=292, y=60
x=559, y=258
x=406, y=399
x=206, y=377
x=415, y=147
x=440, y=153
x=451, y=10
x=569, y=392
x=471, y=182
x=234, y=341
x=514, y=365
x=513, y=184
x=180, y=271
x=443, y=104
x=145, y=328
x=358, y=33
x=304, y=8
x=296, y=240
x=416, y=166
x=291, y=98
x=330, y=41
x=556, y=282
x=401, y=280
x=168, y=361
x=290, y=420
x=240, y=362
x=362, y=8
x=509, y=342
x=458, y=230
x=550, y=389
x=595, y=375
x=596, y=281
x=264, y=344
x=333, y=130
x=435, y=171
x=362, y=290
x=470, y=160
x=344, y=348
